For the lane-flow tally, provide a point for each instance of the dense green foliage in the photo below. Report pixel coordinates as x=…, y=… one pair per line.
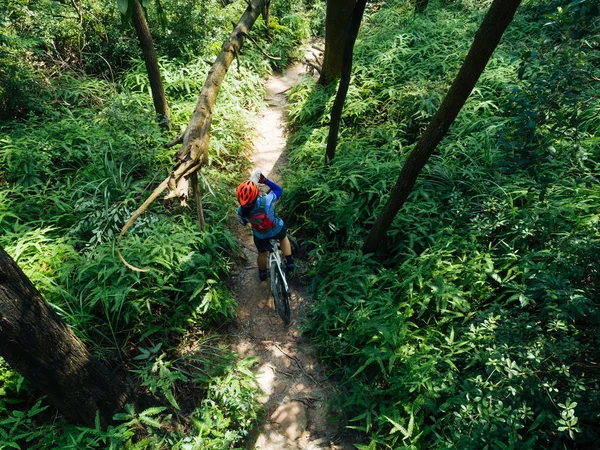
x=477, y=325
x=79, y=152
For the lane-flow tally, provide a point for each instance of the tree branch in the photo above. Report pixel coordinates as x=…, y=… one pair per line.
x=174, y=142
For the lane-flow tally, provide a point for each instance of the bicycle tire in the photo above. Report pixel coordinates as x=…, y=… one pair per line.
x=294, y=245
x=280, y=295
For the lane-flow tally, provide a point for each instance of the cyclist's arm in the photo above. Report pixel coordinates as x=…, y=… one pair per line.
x=275, y=189
x=243, y=220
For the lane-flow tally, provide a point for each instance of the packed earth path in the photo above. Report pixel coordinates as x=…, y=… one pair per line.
x=293, y=382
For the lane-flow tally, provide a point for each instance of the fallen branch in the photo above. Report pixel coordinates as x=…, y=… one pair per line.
x=274, y=58
x=309, y=402
x=283, y=372
x=314, y=65
x=298, y=363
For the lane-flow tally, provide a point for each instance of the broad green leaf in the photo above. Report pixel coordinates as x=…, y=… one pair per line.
x=123, y=6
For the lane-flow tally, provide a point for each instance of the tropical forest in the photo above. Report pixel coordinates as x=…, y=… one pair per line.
x=437, y=170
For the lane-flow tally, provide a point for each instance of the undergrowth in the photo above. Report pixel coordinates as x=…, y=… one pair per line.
x=476, y=326
x=79, y=151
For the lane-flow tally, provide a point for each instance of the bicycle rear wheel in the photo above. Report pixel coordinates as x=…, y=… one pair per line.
x=281, y=296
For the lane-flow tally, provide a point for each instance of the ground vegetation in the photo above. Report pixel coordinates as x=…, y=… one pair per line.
x=475, y=325
x=79, y=148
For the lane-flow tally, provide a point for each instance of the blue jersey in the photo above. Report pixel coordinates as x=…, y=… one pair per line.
x=265, y=224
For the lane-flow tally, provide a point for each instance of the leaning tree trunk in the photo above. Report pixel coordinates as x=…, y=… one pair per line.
x=486, y=40
x=39, y=345
x=340, y=98
x=156, y=84
x=337, y=22
x=193, y=153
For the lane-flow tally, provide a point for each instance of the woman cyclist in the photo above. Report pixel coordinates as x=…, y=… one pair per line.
x=259, y=211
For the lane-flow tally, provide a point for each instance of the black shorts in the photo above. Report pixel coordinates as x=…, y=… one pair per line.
x=264, y=245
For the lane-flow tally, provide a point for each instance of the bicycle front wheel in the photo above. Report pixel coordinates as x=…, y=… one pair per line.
x=281, y=296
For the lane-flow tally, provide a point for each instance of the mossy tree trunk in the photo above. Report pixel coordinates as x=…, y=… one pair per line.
x=340, y=98
x=39, y=345
x=486, y=40
x=156, y=85
x=337, y=23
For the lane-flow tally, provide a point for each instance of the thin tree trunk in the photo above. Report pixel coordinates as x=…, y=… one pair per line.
x=337, y=22
x=39, y=345
x=340, y=98
x=198, y=198
x=486, y=40
x=156, y=84
x=266, y=15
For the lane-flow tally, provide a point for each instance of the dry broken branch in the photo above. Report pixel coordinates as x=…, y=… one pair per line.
x=174, y=142
x=318, y=45
x=265, y=54
x=314, y=64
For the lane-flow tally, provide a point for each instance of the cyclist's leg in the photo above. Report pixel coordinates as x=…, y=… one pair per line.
x=263, y=246
x=261, y=260
x=284, y=242
x=286, y=249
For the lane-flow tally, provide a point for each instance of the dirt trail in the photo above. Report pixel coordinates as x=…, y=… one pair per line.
x=294, y=384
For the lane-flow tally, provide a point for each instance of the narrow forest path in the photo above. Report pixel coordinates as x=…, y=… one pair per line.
x=294, y=385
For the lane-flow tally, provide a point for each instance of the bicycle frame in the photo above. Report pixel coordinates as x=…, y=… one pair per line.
x=275, y=258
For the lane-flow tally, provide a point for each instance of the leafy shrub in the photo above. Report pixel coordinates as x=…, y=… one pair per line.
x=222, y=411
x=21, y=88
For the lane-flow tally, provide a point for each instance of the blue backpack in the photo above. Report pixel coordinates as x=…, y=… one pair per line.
x=260, y=220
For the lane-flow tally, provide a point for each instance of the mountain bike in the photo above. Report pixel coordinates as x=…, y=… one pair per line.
x=279, y=283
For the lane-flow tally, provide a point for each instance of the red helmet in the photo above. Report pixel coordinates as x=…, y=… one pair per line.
x=247, y=192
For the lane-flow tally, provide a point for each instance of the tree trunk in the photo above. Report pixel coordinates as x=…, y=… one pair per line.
x=156, y=84
x=340, y=98
x=266, y=15
x=486, y=40
x=421, y=6
x=198, y=198
x=337, y=22
x=39, y=345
